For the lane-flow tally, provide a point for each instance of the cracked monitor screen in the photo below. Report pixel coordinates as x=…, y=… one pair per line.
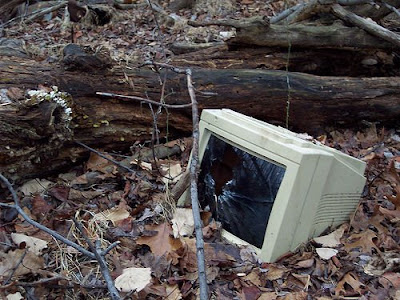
x=239, y=188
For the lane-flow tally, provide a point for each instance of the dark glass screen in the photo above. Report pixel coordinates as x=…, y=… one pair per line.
x=239, y=188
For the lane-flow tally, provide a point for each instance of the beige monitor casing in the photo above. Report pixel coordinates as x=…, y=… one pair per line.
x=321, y=186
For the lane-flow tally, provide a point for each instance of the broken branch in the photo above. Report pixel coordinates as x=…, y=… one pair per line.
x=53, y=233
x=97, y=253
x=367, y=25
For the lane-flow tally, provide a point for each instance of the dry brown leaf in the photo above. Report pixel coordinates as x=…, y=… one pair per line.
x=8, y=261
x=351, y=280
x=98, y=163
x=275, y=272
x=114, y=215
x=215, y=254
x=332, y=239
x=296, y=296
x=162, y=242
x=250, y=293
x=211, y=273
x=364, y=241
x=75, y=195
x=171, y=170
x=15, y=93
x=385, y=262
x=305, y=279
x=40, y=206
x=133, y=279
x=144, y=165
x=210, y=229
x=33, y=244
x=183, y=222
x=35, y=186
x=307, y=263
x=253, y=277
x=393, y=278
x=268, y=296
x=394, y=214
x=173, y=292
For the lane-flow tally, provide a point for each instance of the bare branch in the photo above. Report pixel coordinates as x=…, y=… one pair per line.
x=144, y=100
x=284, y=14
x=105, y=157
x=368, y=26
x=15, y=267
x=53, y=233
x=194, y=166
x=109, y=248
x=98, y=252
x=36, y=14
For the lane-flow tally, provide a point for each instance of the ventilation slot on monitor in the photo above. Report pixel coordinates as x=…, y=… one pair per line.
x=335, y=209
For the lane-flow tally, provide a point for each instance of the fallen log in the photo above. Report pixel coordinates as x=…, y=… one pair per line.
x=35, y=139
x=259, y=32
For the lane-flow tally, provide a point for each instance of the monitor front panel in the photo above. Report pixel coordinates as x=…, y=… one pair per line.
x=239, y=188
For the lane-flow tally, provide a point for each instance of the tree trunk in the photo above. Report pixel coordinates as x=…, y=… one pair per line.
x=36, y=139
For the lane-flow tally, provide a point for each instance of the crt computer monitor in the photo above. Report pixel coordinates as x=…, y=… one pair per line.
x=269, y=188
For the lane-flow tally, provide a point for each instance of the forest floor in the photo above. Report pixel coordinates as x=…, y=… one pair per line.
x=156, y=257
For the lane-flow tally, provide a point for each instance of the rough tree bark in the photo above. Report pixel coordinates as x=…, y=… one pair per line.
x=33, y=142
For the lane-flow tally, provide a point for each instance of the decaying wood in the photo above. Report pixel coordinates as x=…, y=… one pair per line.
x=367, y=25
x=256, y=31
x=8, y=9
x=325, y=62
x=35, y=140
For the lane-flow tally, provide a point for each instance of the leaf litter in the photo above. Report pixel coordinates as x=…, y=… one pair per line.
x=154, y=238
x=358, y=259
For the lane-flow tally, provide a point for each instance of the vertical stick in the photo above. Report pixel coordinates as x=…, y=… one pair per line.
x=193, y=191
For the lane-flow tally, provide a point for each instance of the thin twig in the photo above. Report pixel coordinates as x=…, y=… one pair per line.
x=194, y=166
x=98, y=252
x=15, y=267
x=160, y=40
x=47, y=282
x=105, y=157
x=53, y=233
x=144, y=100
x=109, y=248
x=36, y=14
x=167, y=66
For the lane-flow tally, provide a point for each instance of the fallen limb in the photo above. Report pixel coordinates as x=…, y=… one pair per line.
x=367, y=25
x=257, y=31
x=36, y=14
x=36, y=141
x=96, y=252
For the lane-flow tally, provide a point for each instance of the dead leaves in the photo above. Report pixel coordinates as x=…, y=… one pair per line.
x=157, y=255
x=162, y=241
x=19, y=262
x=349, y=285
x=364, y=241
x=133, y=279
x=183, y=223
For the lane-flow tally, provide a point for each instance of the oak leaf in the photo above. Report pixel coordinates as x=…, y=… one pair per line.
x=162, y=242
